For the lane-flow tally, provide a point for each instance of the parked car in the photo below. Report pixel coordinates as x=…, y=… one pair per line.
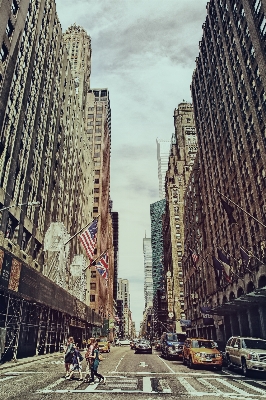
x=123, y=342
x=172, y=345
x=247, y=353
x=143, y=346
x=104, y=345
x=203, y=352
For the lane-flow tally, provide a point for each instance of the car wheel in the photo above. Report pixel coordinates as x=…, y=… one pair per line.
x=184, y=361
x=245, y=370
x=228, y=362
x=190, y=362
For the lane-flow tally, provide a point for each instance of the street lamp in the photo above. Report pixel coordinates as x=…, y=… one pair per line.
x=30, y=204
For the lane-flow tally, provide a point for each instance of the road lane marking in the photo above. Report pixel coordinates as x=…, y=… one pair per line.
x=147, y=388
x=256, y=389
x=230, y=374
x=210, y=386
x=52, y=385
x=23, y=373
x=143, y=364
x=119, y=363
x=6, y=378
x=187, y=386
x=167, y=365
x=229, y=385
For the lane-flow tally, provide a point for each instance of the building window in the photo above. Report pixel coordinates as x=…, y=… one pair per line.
x=3, y=53
x=93, y=286
x=9, y=28
x=92, y=299
x=95, y=209
x=93, y=274
x=14, y=7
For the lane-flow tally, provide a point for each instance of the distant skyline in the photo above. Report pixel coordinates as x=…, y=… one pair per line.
x=145, y=55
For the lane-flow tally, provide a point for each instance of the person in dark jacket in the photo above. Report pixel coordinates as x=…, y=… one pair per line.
x=69, y=350
x=95, y=365
x=76, y=364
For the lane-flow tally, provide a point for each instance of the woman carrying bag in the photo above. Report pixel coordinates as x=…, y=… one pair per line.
x=69, y=354
x=94, y=368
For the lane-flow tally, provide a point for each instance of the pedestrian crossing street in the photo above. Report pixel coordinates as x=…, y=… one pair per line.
x=189, y=384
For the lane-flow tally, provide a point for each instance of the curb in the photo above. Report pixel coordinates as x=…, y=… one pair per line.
x=27, y=360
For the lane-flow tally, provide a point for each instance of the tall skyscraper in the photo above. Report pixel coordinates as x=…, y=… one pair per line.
x=78, y=44
x=229, y=97
x=182, y=155
x=148, y=280
x=124, y=295
x=44, y=159
x=163, y=152
x=98, y=133
x=115, y=224
x=157, y=210
x=123, y=292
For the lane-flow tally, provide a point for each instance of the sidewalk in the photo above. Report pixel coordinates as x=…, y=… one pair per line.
x=27, y=360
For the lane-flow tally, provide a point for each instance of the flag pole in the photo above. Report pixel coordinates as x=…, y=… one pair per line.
x=97, y=258
x=227, y=198
x=72, y=237
x=250, y=254
x=231, y=269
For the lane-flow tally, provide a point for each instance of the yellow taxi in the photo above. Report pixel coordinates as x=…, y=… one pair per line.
x=197, y=351
x=104, y=345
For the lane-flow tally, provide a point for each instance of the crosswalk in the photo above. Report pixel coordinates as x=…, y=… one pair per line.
x=191, y=385
x=223, y=386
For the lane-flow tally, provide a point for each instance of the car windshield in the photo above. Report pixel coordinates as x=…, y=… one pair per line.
x=175, y=337
x=207, y=344
x=254, y=344
x=103, y=339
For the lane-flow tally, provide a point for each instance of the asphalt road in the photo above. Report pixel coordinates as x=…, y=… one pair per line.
x=128, y=376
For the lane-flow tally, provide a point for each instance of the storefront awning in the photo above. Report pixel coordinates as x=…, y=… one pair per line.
x=255, y=298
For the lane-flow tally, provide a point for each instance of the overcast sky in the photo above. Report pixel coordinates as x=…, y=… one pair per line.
x=144, y=52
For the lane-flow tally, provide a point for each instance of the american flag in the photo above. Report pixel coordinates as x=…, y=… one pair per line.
x=102, y=266
x=88, y=239
x=194, y=256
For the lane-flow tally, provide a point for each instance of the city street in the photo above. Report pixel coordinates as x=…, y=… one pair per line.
x=128, y=375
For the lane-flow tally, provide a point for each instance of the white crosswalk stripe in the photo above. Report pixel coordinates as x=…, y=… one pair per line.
x=223, y=387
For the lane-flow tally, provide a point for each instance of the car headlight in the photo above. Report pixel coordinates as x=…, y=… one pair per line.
x=252, y=356
x=218, y=355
